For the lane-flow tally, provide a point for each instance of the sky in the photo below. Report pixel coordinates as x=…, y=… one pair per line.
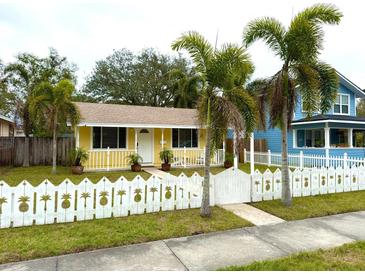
x=87, y=31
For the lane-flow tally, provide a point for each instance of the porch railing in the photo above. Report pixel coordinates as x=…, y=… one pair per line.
x=302, y=160
x=107, y=159
x=184, y=157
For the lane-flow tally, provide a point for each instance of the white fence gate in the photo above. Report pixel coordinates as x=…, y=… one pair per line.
x=231, y=186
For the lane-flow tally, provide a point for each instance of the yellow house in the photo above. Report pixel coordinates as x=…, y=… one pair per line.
x=111, y=132
x=6, y=126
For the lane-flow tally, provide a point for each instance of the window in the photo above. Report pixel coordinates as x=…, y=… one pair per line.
x=310, y=137
x=112, y=137
x=339, y=137
x=358, y=138
x=184, y=137
x=342, y=105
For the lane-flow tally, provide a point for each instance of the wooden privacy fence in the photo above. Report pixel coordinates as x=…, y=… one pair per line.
x=40, y=150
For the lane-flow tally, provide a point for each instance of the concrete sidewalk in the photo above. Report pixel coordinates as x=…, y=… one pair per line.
x=214, y=250
x=252, y=214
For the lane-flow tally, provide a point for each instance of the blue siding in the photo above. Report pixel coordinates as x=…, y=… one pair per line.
x=299, y=114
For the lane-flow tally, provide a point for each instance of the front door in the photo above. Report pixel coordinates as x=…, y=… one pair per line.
x=144, y=145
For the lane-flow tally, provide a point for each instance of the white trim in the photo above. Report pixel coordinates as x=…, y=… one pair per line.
x=101, y=140
x=295, y=138
x=350, y=83
x=327, y=121
x=2, y=117
x=135, y=125
x=152, y=144
x=187, y=148
x=348, y=101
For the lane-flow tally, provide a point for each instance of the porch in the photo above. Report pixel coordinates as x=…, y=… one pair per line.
x=109, y=147
x=330, y=135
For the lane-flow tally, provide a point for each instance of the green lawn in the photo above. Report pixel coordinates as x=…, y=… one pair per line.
x=315, y=206
x=56, y=239
x=347, y=257
x=36, y=174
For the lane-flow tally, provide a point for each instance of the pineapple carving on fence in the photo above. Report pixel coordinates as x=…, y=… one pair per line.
x=46, y=203
x=308, y=182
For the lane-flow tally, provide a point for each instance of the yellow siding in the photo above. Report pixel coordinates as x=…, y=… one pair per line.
x=130, y=142
x=202, y=138
x=85, y=137
x=117, y=159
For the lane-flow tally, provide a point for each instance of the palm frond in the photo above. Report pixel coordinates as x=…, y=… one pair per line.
x=198, y=48
x=269, y=30
x=328, y=87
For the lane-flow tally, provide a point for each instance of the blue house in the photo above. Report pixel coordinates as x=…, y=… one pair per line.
x=333, y=133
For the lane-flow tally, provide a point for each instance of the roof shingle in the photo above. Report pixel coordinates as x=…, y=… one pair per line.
x=96, y=113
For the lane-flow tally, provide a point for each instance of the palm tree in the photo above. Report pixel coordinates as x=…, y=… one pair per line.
x=223, y=101
x=52, y=104
x=186, y=86
x=298, y=46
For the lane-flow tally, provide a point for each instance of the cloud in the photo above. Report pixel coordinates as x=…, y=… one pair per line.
x=86, y=31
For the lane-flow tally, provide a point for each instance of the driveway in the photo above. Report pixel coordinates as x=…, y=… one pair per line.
x=214, y=250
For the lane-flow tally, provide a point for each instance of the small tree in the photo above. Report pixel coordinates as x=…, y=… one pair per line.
x=52, y=104
x=223, y=102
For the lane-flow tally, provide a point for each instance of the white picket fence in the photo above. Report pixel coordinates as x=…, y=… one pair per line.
x=25, y=205
x=308, y=182
x=302, y=160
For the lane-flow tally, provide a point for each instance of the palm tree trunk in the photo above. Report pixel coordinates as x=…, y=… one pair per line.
x=205, y=210
x=285, y=190
x=54, y=151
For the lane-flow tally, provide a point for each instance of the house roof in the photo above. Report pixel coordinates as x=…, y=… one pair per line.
x=96, y=114
x=329, y=118
x=2, y=117
x=350, y=85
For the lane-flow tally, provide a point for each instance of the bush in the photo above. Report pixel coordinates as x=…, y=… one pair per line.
x=134, y=159
x=79, y=156
x=166, y=155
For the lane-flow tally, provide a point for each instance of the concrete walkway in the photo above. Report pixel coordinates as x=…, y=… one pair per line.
x=253, y=214
x=214, y=250
x=154, y=171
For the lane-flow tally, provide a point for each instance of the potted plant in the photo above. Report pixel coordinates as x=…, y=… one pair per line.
x=166, y=156
x=78, y=157
x=135, y=161
x=228, y=160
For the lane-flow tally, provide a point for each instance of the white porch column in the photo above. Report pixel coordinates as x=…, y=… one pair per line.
x=294, y=138
x=350, y=136
x=252, y=158
x=235, y=160
x=326, y=136
x=77, y=136
x=135, y=140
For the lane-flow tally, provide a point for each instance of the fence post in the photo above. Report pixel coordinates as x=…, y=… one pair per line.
x=345, y=160
x=107, y=158
x=252, y=155
x=327, y=158
x=185, y=157
x=301, y=159
x=244, y=156
x=269, y=157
